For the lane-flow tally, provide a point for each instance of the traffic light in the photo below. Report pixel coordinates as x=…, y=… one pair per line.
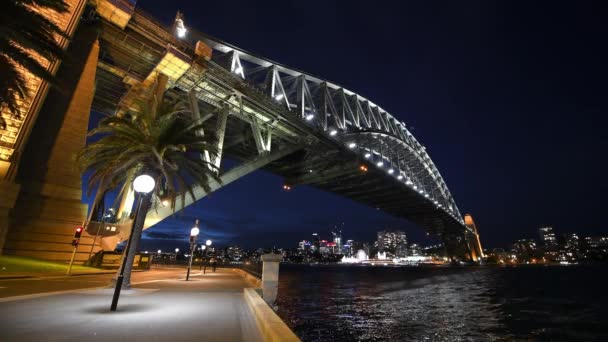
x=77, y=232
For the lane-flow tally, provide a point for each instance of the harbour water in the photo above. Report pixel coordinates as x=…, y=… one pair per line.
x=374, y=303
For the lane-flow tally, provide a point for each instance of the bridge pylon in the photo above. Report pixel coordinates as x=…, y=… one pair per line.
x=48, y=201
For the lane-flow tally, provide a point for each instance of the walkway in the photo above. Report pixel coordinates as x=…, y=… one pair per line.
x=210, y=307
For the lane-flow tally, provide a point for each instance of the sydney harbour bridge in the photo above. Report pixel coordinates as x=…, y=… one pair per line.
x=265, y=115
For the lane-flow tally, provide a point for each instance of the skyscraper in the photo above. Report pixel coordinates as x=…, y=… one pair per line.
x=316, y=242
x=547, y=237
x=388, y=241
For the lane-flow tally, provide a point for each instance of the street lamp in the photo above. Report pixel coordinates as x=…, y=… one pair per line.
x=142, y=184
x=193, y=234
x=203, y=248
x=207, y=244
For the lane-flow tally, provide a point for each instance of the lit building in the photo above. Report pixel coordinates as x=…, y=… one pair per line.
x=303, y=245
x=547, y=237
x=525, y=249
x=348, y=248
x=234, y=253
x=389, y=240
x=323, y=247
x=415, y=250
x=316, y=242
x=401, y=251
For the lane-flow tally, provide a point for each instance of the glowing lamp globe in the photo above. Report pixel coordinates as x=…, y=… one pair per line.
x=194, y=231
x=208, y=242
x=144, y=184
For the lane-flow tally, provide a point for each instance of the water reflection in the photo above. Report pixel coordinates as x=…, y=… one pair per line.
x=353, y=303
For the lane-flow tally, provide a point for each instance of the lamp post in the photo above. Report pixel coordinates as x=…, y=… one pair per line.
x=207, y=244
x=193, y=234
x=143, y=185
x=176, y=251
x=203, y=248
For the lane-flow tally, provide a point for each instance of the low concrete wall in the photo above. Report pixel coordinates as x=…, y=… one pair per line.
x=270, y=324
x=252, y=280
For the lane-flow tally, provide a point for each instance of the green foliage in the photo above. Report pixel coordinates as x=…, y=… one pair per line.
x=22, y=30
x=161, y=139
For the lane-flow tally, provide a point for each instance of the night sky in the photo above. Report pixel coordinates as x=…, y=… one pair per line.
x=509, y=98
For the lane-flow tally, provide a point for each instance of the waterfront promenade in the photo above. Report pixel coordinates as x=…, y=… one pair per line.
x=162, y=306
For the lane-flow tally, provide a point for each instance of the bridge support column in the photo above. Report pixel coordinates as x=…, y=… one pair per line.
x=49, y=204
x=270, y=277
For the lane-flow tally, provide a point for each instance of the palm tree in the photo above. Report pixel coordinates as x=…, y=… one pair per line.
x=23, y=30
x=161, y=139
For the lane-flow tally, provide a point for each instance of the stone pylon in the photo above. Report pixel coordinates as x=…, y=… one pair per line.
x=49, y=205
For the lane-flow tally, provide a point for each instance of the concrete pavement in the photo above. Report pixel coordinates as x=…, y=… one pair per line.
x=161, y=307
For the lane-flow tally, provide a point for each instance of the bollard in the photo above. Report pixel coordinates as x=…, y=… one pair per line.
x=270, y=277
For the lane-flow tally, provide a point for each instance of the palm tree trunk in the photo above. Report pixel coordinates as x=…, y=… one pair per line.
x=145, y=202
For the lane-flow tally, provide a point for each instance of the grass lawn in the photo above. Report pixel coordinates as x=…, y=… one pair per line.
x=16, y=264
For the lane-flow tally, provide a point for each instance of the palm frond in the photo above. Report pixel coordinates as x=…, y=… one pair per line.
x=159, y=137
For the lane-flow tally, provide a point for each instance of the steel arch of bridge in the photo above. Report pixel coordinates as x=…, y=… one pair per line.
x=284, y=110
x=344, y=116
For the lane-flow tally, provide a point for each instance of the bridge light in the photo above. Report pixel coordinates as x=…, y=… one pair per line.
x=310, y=117
x=400, y=177
x=426, y=195
x=352, y=145
x=408, y=182
x=333, y=132
x=238, y=70
x=367, y=155
x=279, y=97
x=415, y=187
x=391, y=171
x=379, y=164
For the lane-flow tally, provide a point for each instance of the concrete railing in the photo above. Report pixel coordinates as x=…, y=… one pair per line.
x=270, y=324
